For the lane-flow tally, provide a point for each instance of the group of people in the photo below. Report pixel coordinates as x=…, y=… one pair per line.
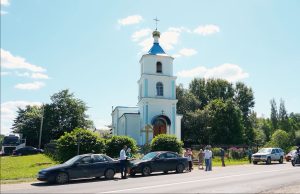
x=203, y=156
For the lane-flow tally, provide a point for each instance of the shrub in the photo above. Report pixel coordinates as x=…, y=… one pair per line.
x=67, y=144
x=280, y=139
x=116, y=143
x=166, y=142
x=236, y=153
x=216, y=151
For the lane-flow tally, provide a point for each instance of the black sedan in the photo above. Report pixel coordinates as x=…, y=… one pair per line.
x=27, y=150
x=81, y=166
x=162, y=161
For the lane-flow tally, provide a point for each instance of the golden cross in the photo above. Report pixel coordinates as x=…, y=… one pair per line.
x=148, y=129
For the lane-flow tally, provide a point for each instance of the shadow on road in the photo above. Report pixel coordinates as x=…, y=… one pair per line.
x=76, y=181
x=264, y=164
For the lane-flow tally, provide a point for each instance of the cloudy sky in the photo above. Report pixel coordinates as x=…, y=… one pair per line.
x=93, y=47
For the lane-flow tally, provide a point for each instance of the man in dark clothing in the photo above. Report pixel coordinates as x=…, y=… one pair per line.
x=222, y=154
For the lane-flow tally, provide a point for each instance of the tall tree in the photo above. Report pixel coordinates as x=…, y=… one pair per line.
x=63, y=114
x=283, y=117
x=274, y=115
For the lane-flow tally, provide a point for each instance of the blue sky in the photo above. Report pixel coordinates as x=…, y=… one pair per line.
x=92, y=47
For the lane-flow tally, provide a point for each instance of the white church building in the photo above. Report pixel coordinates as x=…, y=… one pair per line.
x=156, y=108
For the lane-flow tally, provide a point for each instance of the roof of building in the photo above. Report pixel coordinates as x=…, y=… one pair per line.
x=156, y=49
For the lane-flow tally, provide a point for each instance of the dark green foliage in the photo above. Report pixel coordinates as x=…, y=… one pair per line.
x=115, y=144
x=216, y=112
x=280, y=139
x=63, y=114
x=274, y=115
x=164, y=142
x=90, y=142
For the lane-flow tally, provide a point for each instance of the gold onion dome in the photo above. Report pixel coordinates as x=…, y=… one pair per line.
x=156, y=33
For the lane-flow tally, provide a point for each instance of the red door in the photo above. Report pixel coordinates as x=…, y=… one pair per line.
x=160, y=127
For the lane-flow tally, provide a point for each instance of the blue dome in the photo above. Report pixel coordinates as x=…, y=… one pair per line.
x=156, y=49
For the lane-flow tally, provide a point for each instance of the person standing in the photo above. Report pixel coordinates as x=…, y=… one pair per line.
x=123, y=162
x=222, y=154
x=249, y=155
x=207, y=157
x=189, y=155
x=200, y=159
x=210, y=159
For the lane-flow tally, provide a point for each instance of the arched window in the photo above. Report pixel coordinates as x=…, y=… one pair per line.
x=159, y=89
x=158, y=67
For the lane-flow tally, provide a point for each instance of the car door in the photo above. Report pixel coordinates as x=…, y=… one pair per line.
x=273, y=154
x=159, y=163
x=172, y=160
x=100, y=165
x=82, y=168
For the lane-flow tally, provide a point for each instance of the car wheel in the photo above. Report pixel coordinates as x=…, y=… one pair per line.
x=146, y=171
x=109, y=174
x=179, y=168
x=268, y=161
x=254, y=162
x=281, y=160
x=293, y=162
x=62, y=178
x=132, y=174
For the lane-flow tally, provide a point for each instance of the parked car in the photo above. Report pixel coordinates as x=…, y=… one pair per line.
x=268, y=155
x=27, y=150
x=289, y=156
x=81, y=166
x=162, y=161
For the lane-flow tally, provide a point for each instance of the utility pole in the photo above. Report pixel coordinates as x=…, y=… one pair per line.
x=41, y=126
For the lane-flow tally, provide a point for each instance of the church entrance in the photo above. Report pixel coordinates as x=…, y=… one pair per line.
x=160, y=124
x=160, y=127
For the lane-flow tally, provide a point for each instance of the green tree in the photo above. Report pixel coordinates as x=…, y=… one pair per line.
x=89, y=142
x=1, y=139
x=283, y=117
x=225, y=122
x=280, y=139
x=274, y=115
x=63, y=114
x=28, y=123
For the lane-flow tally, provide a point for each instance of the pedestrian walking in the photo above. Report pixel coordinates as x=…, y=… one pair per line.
x=123, y=162
x=222, y=154
x=211, y=157
x=207, y=157
x=200, y=159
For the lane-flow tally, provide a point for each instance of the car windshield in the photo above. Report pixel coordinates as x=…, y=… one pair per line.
x=72, y=160
x=149, y=156
x=265, y=150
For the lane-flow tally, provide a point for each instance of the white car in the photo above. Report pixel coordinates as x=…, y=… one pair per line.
x=268, y=155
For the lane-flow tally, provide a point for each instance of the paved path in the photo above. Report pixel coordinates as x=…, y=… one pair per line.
x=232, y=179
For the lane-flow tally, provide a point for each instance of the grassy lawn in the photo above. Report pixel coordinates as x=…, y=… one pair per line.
x=23, y=168
x=228, y=162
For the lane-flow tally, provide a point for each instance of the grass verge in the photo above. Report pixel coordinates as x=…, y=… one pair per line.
x=23, y=168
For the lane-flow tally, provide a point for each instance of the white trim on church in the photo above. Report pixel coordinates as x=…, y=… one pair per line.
x=156, y=110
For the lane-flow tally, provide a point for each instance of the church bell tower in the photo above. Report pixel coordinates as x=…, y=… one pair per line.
x=157, y=94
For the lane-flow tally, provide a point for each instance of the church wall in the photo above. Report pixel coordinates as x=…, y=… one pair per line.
x=148, y=64
x=133, y=127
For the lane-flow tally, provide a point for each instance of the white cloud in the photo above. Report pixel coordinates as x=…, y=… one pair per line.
x=136, y=36
x=230, y=72
x=207, y=29
x=3, y=12
x=8, y=61
x=187, y=52
x=39, y=76
x=30, y=86
x=5, y=2
x=4, y=73
x=23, y=74
x=8, y=113
x=133, y=19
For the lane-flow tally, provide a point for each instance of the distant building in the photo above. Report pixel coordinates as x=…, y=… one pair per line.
x=156, y=108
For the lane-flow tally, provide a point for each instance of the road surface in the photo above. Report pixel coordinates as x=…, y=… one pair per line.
x=231, y=179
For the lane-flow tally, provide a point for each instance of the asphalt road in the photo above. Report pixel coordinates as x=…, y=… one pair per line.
x=232, y=179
